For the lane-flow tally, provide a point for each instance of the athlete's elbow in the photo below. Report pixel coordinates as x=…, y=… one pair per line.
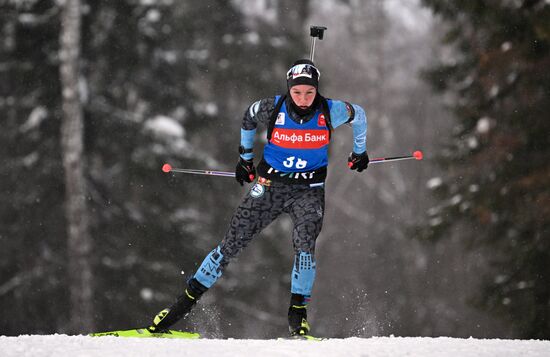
x=360, y=115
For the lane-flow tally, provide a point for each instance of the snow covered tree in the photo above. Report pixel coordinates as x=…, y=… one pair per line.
x=496, y=195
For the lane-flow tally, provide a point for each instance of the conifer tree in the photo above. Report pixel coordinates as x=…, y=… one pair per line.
x=496, y=195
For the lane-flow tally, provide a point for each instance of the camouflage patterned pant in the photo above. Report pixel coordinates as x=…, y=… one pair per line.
x=261, y=206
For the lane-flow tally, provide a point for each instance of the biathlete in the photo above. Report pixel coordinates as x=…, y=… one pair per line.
x=290, y=179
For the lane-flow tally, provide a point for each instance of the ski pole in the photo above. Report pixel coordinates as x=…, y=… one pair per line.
x=168, y=168
x=314, y=32
x=417, y=155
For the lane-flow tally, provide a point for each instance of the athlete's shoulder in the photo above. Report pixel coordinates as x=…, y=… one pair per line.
x=329, y=102
x=344, y=112
x=263, y=106
x=259, y=112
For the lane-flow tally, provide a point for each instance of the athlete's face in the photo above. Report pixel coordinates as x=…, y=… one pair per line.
x=303, y=95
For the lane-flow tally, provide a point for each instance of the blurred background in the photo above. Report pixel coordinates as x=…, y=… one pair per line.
x=96, y=95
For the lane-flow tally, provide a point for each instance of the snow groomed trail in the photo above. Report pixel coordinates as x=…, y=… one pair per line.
x=84, y=346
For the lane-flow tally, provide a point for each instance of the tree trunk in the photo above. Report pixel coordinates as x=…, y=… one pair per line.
x=79, y=242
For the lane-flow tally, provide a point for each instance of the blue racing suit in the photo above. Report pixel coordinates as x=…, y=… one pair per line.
x=290, y=180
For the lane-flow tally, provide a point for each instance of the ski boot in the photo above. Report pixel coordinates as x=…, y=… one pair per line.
x=297, y=316
x=183, y=305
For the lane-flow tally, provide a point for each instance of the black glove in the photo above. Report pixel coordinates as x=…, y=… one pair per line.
x=358, y=162
x=245, y=171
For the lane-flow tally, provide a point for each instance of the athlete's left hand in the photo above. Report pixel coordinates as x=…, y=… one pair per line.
x=358, y=162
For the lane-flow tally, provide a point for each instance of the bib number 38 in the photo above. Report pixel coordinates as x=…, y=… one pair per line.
x=290, y=162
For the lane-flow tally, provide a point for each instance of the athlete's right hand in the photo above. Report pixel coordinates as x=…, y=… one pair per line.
x=245, y=171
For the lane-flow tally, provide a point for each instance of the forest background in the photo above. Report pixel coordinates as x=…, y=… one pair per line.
x=96, y=95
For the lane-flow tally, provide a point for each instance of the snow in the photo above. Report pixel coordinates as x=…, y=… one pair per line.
x=83, y=346
x=409, y=14
x=170, y=132
x=506, y=46
x=164, y=126
x=483, y=125
x=153, y=15
x=36, y=117
x=434, y=183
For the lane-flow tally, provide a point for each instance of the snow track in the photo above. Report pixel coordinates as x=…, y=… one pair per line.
x=83, y=346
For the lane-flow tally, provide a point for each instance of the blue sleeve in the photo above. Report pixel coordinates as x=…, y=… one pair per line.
x=247, y=141
x=340, y=114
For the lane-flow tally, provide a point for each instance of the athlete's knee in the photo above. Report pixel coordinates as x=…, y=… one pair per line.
x=234, y=242
x=305, y=234
x=304, y=240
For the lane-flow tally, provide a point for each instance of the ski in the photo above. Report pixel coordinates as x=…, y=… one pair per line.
x=304, y=338
x=144, y=333
x=308, y=338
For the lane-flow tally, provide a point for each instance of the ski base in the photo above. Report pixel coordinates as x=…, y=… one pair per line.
x=144, y=333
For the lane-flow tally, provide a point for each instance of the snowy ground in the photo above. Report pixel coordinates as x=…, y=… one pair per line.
x=82, y=346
